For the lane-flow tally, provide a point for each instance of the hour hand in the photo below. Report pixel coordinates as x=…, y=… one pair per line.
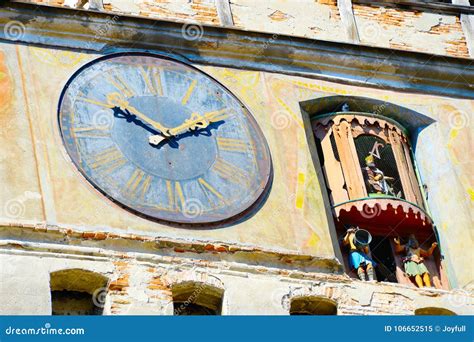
x=116, y=100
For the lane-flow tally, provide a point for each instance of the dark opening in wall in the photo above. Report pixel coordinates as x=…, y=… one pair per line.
x=192, y=298
x=77, y=292
x=69, y=303
x=313, y=305
x=382, y=254
x=434, y=311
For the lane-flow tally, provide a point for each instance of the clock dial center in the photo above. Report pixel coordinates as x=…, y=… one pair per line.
x=175, y=159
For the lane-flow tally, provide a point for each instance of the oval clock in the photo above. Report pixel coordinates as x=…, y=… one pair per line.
x=163, y=139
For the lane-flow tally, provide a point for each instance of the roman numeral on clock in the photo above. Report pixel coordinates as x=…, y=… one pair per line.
x=118, y=82
x=232, y=145
x=190, y=90
x=83, y=98
x=210, y=192
x=176, y=200
x=230, y=172
x=108, y=160
x=91, y=132
x=152, y=77
x=138, y=185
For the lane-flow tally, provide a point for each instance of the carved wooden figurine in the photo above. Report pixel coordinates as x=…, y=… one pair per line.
x=413, y=260
x=375, y=178
x=358, y=254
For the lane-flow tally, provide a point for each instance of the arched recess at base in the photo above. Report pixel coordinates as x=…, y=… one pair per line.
x=313, y=305
x=197, y=298
x=434, y=311
x=77, y=292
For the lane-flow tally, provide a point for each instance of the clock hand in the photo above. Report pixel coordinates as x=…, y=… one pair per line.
x=217, y=115
x=194, y=123
x=116, y=100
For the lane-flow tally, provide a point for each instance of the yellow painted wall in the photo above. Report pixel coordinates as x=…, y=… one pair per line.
x=40, y=182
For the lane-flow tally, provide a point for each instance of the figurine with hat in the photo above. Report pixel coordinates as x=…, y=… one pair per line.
x=358, y=241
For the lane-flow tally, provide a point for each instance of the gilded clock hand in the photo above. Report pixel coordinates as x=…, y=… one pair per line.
x=116, y=100
x=217, y=115
x=194, y=123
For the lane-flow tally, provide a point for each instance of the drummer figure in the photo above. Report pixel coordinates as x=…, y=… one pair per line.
x=358, y=255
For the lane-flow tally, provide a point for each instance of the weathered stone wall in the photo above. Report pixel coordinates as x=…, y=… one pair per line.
x=304, y=18
x=140, y=285
x=394, y=28
x=51, y=219
x=398, y=29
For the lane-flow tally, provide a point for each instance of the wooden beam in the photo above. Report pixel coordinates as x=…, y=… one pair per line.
x=348, y=20
x=224, y=12
x=467, y=23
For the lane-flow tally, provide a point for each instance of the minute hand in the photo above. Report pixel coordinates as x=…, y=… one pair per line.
x=197, y=121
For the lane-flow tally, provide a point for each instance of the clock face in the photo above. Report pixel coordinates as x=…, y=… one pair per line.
x=163, y=139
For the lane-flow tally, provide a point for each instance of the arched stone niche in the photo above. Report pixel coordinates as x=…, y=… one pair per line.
x=197, y=298
x=313, y=305
x=77, y=292
x=434, y=311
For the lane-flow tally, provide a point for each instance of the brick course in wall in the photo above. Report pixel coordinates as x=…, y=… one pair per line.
x=411, y=30
x=141, y=277
x=135, y=285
